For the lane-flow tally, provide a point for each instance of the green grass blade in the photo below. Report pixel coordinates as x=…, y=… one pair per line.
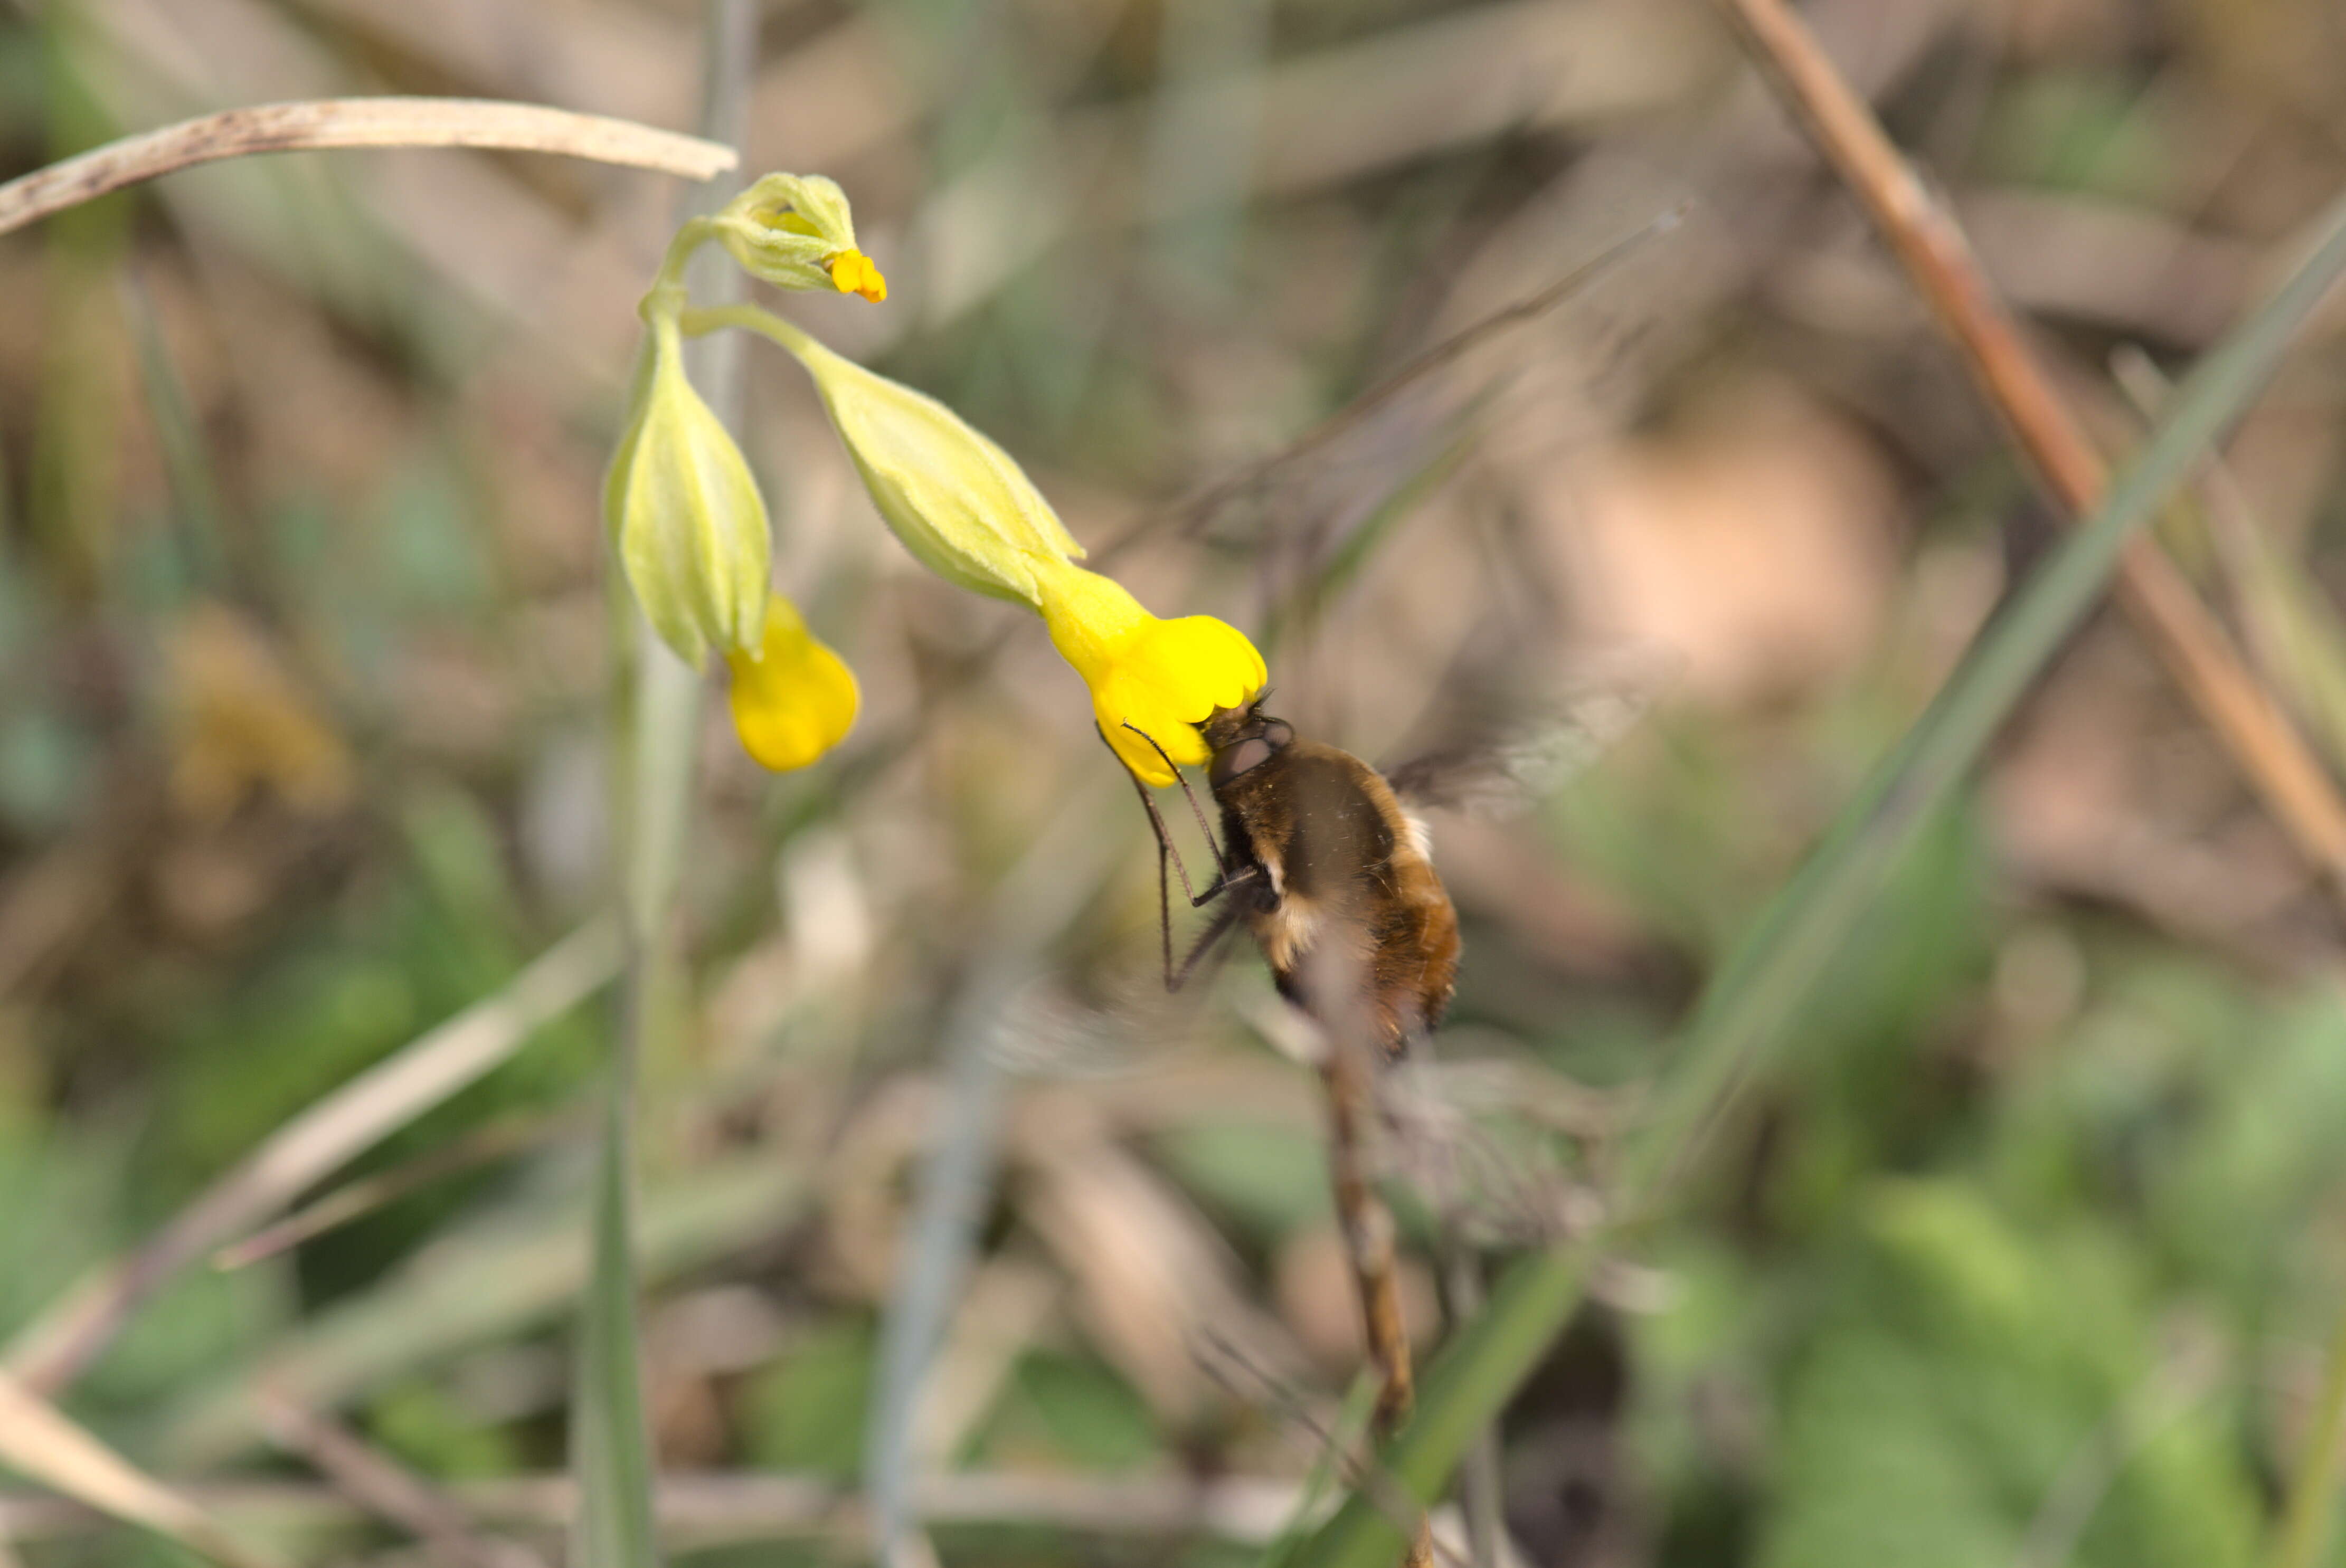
x=611, y=1446
x=1745, y=1011
x=510, y=1271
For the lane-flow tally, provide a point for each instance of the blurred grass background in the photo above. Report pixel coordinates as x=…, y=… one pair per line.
x=2028, y=1251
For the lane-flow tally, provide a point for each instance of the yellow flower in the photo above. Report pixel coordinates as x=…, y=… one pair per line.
x=684, y=512
x=793, y=699
x=795, y=231
x=852, y=272
x=969, y=513
x=1158, y=676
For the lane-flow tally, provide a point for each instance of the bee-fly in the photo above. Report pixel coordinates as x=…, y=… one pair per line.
x=1328, y=872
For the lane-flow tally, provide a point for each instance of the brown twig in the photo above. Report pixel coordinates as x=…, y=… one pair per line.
x=2270, y=752
x=350, y=123
x=382, y=1486
x=484, y=1145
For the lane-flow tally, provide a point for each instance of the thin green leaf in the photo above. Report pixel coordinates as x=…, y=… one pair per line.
x=1744, y=1012
x=2305, y=1527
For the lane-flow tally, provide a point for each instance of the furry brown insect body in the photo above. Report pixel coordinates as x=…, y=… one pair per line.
x=1331, y=874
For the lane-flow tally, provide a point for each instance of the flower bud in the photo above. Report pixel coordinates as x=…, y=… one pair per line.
x=684, y=515
x=795, y=231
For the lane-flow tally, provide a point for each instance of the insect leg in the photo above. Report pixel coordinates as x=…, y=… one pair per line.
x=1165, y=851
x=1221, y=861
x=1216, y=929
x=1157, y=824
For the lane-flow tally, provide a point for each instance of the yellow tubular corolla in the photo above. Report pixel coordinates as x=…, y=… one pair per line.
x=793, y=699
x=1156, y=676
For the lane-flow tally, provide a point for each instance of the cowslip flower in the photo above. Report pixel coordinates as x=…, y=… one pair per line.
x=683, y=511
x=1159, y=677
x=795, y=231
x=967, y=511
x=793, y=699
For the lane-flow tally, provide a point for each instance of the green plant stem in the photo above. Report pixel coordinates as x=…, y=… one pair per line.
x=611, y=1449
x=701, y=319
x=2313, y=1485
x=1747, y=1012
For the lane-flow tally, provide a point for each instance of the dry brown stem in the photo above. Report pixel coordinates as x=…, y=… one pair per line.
x=381, y=1486
x=387, y=122
x=2270, y=752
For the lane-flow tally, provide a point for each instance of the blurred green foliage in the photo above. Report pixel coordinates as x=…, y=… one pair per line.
x=2022, y=1251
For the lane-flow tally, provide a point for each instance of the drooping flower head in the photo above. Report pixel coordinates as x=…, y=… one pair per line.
x=966, y=511
x=682, y=509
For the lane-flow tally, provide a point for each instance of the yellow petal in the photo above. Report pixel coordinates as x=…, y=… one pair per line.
x=1159, y=677
x=1196, y=665
x=795, y=698
x=1118, y=703
x=1092, y=620
x=853, y=272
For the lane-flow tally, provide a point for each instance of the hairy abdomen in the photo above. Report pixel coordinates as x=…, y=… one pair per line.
x=1347, y=892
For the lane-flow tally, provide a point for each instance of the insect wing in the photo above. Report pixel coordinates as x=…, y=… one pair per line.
x=1510, y=765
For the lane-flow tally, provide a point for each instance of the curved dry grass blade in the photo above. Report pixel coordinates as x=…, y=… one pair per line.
x=40, y=1442
x=54, y=1348
x=724, y=1508
x=505, y=1276
x=353, y=123
x=1745, y=1011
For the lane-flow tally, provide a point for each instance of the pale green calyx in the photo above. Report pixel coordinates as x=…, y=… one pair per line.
x=959, y=504
x=795, y=231
x=683, y=511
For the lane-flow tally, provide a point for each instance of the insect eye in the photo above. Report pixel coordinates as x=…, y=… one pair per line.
x=1233, y=760
x=1278, y=733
